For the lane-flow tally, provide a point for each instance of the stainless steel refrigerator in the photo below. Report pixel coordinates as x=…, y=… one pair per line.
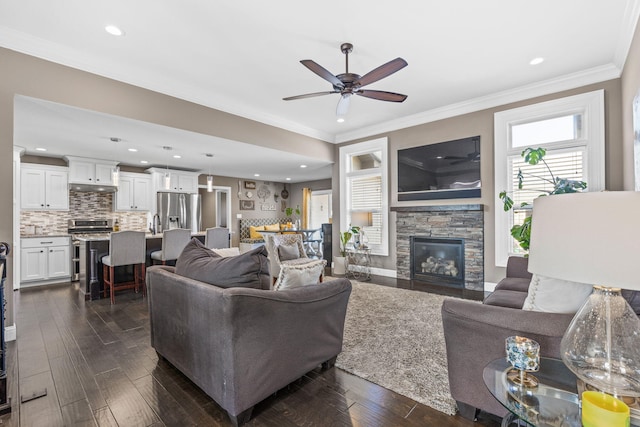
x=179, y=210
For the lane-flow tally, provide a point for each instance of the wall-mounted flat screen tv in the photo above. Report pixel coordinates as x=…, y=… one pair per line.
x=445, y=170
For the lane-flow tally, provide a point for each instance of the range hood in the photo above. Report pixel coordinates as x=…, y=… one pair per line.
x=93, y=188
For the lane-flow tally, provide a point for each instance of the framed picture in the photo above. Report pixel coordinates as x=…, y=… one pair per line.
x=250, y=185
x=247, y=205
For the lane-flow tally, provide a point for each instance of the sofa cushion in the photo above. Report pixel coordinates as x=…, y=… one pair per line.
x=295, y=276
x=247, y=270
x=556, y=296
x=506, y=298
x=288, y=252
x=272, y=227
x=514, y=284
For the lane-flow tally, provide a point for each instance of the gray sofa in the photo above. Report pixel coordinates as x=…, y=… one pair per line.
x=475, y=335
x=241, y=344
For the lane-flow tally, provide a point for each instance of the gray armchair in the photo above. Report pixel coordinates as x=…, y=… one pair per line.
x=273, y=242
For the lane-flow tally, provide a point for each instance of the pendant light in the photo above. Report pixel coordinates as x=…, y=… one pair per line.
x=167, y=175
x=115, y=172
x=209, y=177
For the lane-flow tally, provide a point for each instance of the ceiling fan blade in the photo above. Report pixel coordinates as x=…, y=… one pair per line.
x=343, y=105
x=308, y=95
x=382, y=95
x=382, y=71
x=322, y=72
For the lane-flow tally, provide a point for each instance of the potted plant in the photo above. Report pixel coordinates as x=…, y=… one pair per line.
x=533, y=156
x=339, y=262
x=289, y=212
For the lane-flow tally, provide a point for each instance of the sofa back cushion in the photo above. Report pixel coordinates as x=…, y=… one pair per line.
x=247, y=270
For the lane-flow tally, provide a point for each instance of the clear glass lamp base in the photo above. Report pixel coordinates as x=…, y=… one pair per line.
x=602, y=343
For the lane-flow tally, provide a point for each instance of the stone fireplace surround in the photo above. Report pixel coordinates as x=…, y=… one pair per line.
x=443, y=221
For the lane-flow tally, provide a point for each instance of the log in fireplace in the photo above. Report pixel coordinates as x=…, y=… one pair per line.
x=438, y=261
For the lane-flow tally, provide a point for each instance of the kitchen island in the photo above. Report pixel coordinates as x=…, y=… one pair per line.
x=100, y=244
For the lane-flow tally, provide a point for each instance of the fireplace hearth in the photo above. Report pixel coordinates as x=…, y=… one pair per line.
x=437, y=260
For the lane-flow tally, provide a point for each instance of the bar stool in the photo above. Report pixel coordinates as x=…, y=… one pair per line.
x=125, y=248
x=173, y=242
x=217, y=238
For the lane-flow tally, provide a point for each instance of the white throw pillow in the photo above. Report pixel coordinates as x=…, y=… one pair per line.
x=556, y=296
x=225, y=252
x=295, y=276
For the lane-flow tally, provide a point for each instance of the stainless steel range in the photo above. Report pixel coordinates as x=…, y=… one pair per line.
x=85, y=228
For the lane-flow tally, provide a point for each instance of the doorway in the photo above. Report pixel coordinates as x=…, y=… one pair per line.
x=320, y=211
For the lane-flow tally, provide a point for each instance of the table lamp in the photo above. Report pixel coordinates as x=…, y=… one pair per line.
x=594, y=238
x=361, y=219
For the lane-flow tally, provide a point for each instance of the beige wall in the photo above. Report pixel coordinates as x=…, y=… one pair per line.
x=30, y=76
x=481, y=123
x=630, y=88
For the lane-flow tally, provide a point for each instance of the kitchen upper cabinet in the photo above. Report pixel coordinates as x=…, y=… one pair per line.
x=180, y=181
x=90, y=171
x=43, y=187
x=45, y=259
x=134, y=192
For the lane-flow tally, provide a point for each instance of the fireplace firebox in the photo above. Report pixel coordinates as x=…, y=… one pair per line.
x=438, y=261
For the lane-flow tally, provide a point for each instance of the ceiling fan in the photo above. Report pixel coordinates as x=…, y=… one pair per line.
x=473, y=156
x=347, y=84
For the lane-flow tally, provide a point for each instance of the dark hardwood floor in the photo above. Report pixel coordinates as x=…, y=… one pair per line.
x=98, y=369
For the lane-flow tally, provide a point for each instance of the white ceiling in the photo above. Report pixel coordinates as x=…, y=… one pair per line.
x=243, y=57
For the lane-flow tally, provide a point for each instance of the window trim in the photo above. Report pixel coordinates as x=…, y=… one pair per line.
x=345, y=152
x=591, y=106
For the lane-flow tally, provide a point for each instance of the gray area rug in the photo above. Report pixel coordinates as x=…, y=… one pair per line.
x=393, y=337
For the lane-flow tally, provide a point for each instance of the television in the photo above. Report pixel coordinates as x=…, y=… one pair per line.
x=444, y=170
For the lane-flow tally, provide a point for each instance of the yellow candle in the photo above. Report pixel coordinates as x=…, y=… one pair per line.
x=603, y=410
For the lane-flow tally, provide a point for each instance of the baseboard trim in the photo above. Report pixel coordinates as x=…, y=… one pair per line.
x=384, y=272
x=490, y=286
x=10, y=333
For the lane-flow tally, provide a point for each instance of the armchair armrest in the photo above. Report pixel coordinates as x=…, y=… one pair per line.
x=475, y=335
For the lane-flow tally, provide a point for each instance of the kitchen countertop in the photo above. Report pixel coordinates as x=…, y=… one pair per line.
x=147, y=235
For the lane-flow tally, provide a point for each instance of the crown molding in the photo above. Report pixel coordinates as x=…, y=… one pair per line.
x=566, y=82
x=627, y=31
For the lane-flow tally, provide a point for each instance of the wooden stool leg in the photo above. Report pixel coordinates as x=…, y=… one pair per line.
x=112, y=276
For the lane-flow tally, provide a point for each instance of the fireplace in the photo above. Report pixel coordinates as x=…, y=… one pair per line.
x=437, y=260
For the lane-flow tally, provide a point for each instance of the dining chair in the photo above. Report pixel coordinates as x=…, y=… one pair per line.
x=125, y=248
x=173, y=242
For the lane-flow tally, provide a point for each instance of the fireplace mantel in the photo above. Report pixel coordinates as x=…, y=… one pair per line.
x=437, y=208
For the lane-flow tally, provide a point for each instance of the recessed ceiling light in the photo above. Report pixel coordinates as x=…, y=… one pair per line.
x=340, y=119
x=41, y=149
x=113, y=30
x=536, y=61
x=288, y=179
x=133, y=150
x=256, y=174
x=144, y=162
x=303, y=166
x=177, y=156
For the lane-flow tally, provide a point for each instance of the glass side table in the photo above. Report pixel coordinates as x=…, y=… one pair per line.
x=360, y=260
x=554, y=402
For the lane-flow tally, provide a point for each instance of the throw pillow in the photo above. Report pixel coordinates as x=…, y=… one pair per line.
x=295, y=276
x=288, y=252
x=272, y=227
x=225, y=252
x=555, y=296
x=247, y=270
x=254, y=232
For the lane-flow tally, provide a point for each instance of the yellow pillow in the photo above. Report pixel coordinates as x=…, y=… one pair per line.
x=272, y=227
x=253, y=232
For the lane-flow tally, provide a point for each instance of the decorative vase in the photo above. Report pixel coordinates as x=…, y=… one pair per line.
x=339, y=265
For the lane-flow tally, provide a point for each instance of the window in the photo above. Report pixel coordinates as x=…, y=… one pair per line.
x=363, y=186
x=571, y=130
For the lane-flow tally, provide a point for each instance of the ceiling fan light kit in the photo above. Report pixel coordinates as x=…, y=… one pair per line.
x=347, y=84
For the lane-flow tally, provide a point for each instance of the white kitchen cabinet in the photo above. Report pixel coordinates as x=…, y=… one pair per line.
x=45, y=259
x=43, y=187
x=180, y=181
x=90, y=171
x=134, y=192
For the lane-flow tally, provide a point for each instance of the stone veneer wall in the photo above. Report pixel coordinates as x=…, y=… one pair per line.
x=454, y=221
x=83, y=205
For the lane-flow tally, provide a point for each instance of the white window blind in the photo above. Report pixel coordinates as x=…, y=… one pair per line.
x=366, y=196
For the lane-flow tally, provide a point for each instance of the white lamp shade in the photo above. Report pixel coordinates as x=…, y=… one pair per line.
x=361, y=219
x=591, y=238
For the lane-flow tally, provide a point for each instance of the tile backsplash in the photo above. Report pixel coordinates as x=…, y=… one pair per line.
x=82, y=205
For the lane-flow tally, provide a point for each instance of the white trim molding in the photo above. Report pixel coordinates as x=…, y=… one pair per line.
x=10, y=333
